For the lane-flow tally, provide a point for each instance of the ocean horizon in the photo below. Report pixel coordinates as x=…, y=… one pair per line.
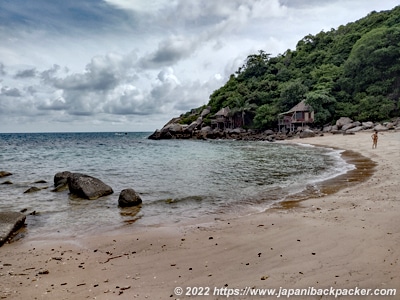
x=179, y=181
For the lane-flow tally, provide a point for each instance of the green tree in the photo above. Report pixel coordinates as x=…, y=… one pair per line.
x=266, y=116
x=375, y=108
x=292, y=93
x=242, y=107
x=323, y=105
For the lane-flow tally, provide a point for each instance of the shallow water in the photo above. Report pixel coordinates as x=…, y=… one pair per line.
x=179, y=181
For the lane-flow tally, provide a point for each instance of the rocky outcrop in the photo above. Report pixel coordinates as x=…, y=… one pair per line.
x=175, y=130
x=128, y=198
x=346, y=125
x=87, y=187
x=10, y=222
x=199, y=129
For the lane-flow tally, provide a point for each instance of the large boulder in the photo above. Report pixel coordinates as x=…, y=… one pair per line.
x=380, y=127
x=129, y=197
x=88, y=187
x=205, y=112
x=307, y=133
x=343, y=121
x=390, y=125
x=367, y=125
x=9, y=223
x=171, y=128
x=354, y=129
x=327, y=128
x=349, y=126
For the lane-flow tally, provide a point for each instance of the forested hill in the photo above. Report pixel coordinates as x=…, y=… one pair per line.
x=351, y=71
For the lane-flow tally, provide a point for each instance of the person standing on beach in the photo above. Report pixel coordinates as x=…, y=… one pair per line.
x=374, y=137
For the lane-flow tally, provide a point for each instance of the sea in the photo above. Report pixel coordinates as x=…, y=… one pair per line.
x=180, y=181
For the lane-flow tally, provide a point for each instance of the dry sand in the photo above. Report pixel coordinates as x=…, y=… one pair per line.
x=343, y=240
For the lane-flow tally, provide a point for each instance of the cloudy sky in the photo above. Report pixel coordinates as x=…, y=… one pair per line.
x=132, y=65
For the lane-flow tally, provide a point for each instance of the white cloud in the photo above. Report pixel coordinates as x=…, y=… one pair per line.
x=140, y=5
x=136, y=64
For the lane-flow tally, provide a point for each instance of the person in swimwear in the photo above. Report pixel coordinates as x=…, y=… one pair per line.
x=374, y=137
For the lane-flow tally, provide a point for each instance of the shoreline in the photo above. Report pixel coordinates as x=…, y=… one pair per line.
x=345, y=239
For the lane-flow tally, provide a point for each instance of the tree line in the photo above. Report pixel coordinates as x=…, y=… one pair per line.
x=351, y=71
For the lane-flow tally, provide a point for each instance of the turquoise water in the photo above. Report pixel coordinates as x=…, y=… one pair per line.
x=179, y=181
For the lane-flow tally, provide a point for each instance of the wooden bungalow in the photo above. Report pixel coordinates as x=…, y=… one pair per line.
x=298, y=116
x=222, y=119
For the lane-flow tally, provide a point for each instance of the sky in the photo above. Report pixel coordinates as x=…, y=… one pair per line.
x=132, y=65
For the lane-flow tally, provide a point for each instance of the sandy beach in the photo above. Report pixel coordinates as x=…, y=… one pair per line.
x=349, y=239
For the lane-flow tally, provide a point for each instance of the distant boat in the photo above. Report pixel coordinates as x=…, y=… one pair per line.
x=120, y=133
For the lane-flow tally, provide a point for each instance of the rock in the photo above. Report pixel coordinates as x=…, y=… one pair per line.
x=348, y=126
x=60, y=188
x=9, y=223
x=390, y=125
x=156, y=135
x=173, y=127
x=87, y=187
x=61, y=181
x=206, y=129
x=307, y=133
x=193, y=126
x=4, y=174
x=269, y=132
x=343, y=121
x=61, y=178
x=354, y=129
x=327, y=128
x=32, y=190
x=205, y=112
x=238, y=130
x=41, y=181
x=367, y=125
x=128, y=197
x=380, y=127
x=7, y=182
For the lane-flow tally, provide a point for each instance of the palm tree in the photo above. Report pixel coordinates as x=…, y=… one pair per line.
x=243, y=106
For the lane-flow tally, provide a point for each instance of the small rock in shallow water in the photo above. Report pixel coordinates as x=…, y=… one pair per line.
x=32, y=190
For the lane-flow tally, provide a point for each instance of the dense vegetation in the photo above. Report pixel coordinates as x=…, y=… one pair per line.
x=351, y=71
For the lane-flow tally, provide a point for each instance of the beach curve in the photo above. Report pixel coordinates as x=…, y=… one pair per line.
x=346, y=239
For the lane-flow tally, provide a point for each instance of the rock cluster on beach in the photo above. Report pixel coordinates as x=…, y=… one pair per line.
x=348, y=126
x=79, y=185
x=198, y=129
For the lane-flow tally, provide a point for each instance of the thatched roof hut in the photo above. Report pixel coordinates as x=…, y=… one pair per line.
x=299, y=115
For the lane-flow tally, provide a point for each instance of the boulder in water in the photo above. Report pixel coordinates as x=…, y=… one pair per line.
x=88, y=187
x=129, y=197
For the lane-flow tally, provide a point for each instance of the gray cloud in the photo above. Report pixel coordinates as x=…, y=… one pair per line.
x=10, y=92
x=29, y=73
x=57, y=104
x=89, y=66
x=2, y=70
x=169, y=52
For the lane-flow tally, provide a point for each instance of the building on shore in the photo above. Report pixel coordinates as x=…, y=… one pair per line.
x=299, y=115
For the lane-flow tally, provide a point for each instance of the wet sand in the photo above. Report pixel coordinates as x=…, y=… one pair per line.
x=347, y=237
